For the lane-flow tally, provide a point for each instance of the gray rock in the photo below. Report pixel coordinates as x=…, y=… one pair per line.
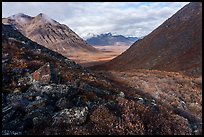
x=62, y=103
x=3, y=100
x=36, y=104
x=21, y=104
x=35, y=87
x=121, y=94
x=8, y=113
x=12, y=121
x=182, y=105
x=141, y=100
x=7, y=109
x=38, y=98
x=74, y=116
x=49, y=88
x=53, y=90
x=27, y=80
x=14, y=97
x=8, y=132
x=41, y=112
x=39, y=120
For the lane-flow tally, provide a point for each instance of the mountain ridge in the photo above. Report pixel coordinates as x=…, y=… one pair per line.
x=49, y=33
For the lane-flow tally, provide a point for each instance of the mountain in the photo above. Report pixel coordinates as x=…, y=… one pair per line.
x=109, y=39
x=49, y=33
x=176, y=45
x=44, y=92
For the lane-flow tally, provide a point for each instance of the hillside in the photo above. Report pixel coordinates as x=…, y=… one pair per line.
x=176, y=45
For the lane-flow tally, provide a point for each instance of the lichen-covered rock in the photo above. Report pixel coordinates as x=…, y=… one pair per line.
x=43, y=74
x=12, y=120
x=8, y=112
x=8, y=132
x=121, y=94
x=74, y=116
x=50, y=88
x=197, y=129
x=36, y=105
x=40, y=120
x=3, y=100
x=141, y=101
x=62, y=103
x=27, y=80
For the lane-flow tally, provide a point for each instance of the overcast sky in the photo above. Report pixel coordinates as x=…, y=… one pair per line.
x=125, y=18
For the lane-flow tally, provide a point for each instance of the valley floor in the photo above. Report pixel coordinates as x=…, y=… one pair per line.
x=106, y=53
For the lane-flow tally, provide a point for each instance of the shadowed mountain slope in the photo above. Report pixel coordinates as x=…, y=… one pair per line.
x=176, y=45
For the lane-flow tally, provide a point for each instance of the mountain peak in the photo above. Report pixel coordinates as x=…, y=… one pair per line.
x=45, y=19
x=42, y=15
x=109, y=34
x=106, y=34
x=20, y=15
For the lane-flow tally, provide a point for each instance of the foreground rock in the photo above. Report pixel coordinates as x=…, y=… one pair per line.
x=74, y=116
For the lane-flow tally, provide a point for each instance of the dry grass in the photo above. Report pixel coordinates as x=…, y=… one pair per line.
x=105, y=54
x=177, y=90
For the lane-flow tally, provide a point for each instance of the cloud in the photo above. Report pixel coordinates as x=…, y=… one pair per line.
x=126, y=18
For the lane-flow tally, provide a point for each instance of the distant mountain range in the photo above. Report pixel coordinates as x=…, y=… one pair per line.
x=109, y=39
x=49, y=33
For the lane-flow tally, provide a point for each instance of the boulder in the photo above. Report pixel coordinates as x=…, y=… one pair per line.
x=36, y=104
x=43, y=74
x=121, y=94
x=73, y=116
x=62, y=103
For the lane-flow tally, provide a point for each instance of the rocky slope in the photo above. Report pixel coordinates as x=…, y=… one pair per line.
x=176, y=45
x=109, y=39
x=44, y=92
x=49, y=33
